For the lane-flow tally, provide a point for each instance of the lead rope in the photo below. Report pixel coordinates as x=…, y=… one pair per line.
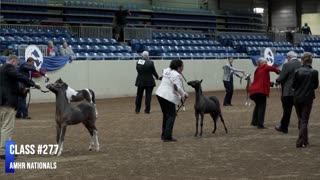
x=182, y=100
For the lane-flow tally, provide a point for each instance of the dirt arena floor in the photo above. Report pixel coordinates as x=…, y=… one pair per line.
x=131, y=147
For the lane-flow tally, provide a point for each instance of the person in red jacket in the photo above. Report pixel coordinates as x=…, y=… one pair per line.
x=259, y=90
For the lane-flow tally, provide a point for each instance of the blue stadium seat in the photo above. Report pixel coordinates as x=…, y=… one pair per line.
x=95, y=56
x=112, y=49
x=110, y=56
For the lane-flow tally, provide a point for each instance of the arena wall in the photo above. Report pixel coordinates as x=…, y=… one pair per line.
x=111, y=79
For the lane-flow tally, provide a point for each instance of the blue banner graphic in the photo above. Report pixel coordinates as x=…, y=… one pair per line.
x=278, y=59
x=9, y=156
x=49, y=63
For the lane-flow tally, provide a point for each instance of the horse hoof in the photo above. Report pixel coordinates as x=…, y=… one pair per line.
x=59, y=154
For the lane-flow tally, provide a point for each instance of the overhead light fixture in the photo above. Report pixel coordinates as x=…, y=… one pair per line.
x=258, y=10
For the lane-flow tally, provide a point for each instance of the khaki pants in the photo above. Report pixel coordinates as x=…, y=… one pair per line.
x=7, y=120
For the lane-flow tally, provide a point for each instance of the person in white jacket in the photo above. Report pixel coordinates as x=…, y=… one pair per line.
x=169, y=94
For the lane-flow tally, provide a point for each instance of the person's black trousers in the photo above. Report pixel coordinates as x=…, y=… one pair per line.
x=139, y=96
x=259, y=110
x=168, y=117
x=287, y=104
x=22, y=110
x=229, y=92
x=303, y=111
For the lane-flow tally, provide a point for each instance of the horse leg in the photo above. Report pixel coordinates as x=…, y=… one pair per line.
x=58, y=127
x=91, y=135
x=214, y=123
x=225, y=128
x=201, y=124
x=197, y=120
x=95, y=135
x=61, y=140
x=95, y=107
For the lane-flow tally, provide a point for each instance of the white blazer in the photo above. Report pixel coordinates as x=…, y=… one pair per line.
x=166, y=89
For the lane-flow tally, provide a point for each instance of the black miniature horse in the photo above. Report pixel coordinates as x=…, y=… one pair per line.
x=79, y=95
x=71, y=115
x=206, y=105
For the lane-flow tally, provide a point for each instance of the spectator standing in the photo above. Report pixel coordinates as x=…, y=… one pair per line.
x=306, y=29
x=120, y=21
x=145, y=81
x=305, y=81
x=9, y=78
x=259, y=91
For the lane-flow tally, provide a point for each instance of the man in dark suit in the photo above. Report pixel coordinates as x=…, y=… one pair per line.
x=305, y=81
x=25, y=69
x=145, y=81
x=286, y=79
x=9, y=78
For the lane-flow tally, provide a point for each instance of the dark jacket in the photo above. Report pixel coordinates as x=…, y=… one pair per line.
x=145, y=74
x=121, y=17
x=286, y=76
x=305, y=81
x=9, y=78
x=27, y=71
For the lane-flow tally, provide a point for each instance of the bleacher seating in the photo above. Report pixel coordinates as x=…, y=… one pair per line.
x=99, y=5
x=163, y=45
x=77, y=12
x=311, y=44
x=253, y=44
x=180, y=10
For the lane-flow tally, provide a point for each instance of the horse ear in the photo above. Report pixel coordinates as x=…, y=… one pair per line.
x=201, y=80
x=64, y=85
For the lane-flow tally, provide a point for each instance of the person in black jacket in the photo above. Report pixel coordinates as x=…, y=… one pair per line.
x=285, y=79
x=120, y=22
x=9, y=78
x=26, y=70
x=145, y=81
x=305, y=81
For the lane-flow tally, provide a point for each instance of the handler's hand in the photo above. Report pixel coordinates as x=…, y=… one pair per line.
x=37, y=86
